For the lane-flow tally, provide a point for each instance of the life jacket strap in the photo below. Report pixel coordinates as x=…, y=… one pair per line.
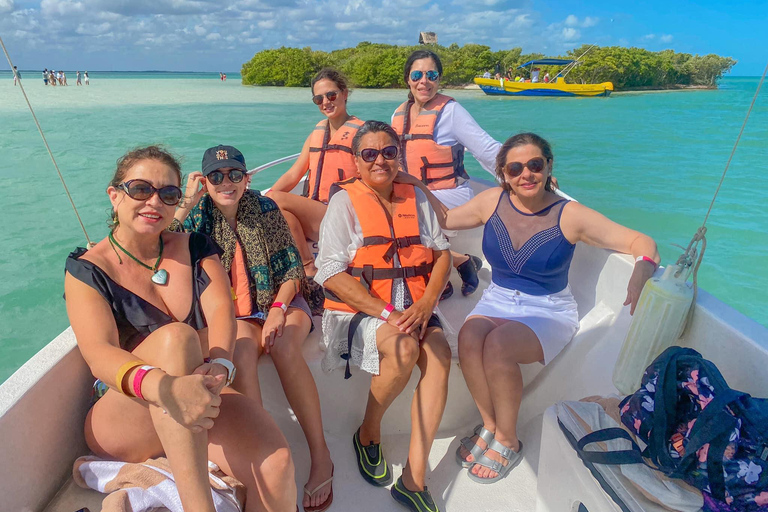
x=353, y=325
x=369, y=274
x=416, y=136
x=397, y=243
x=327, y=147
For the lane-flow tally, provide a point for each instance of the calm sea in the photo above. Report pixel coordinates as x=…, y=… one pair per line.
x=650, y=161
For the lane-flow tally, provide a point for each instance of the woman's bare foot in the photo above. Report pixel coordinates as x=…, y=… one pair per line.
x=484, y=472
x=319, y=472
x=464, y=453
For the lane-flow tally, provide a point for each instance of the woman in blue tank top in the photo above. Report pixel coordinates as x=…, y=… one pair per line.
x=527, y=314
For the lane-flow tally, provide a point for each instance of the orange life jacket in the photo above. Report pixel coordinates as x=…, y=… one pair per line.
x=330, y=158
x=437, y=166
x=383, y=237
x=241, y=286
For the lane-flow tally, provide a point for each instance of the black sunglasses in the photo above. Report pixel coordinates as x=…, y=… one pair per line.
x=317, y=99
x=432, y=75
x=515, y=169
x=370, y=154
x=216, y=177
x=141, y=190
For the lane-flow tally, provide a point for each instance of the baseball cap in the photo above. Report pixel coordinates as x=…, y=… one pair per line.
x=220, y=157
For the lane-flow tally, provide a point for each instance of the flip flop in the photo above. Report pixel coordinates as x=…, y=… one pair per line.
x=473, y=448
x=324, y=505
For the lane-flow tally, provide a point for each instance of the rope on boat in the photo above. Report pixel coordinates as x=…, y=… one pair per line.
x=687, y=259
x=50, y=153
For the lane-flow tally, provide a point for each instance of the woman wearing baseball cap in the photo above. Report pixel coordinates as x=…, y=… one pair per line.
x=269, y=288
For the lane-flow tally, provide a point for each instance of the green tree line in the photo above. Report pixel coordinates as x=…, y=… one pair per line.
x=373, y=65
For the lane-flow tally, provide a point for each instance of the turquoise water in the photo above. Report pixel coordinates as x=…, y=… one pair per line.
x=648, y=160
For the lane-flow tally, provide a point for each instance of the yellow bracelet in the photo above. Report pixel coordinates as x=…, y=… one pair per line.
x=125, y=368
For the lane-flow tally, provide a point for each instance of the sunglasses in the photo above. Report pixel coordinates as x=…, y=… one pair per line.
x=515, y=169
x=141, y=190
x=432, y=75
x=317, y=99
x=216, y=177
x=370, y=155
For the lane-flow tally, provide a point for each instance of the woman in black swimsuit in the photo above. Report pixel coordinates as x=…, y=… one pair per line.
x=149, y=308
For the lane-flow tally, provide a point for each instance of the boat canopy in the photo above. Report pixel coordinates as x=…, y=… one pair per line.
x=547, y=62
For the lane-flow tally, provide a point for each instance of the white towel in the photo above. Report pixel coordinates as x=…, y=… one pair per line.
x=149, y=485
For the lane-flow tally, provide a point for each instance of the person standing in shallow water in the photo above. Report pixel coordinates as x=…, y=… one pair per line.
x=269, y=289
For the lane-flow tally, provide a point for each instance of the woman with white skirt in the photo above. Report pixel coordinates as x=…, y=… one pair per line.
x=527, y=314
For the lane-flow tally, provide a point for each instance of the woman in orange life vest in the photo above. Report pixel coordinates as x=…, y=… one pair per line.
x=327, y=155
x=434, y=130
x=269, y=290
x=382, y=294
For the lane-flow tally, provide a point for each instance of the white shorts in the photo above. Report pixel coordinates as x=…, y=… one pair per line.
x=453, y=197
x=554, y=319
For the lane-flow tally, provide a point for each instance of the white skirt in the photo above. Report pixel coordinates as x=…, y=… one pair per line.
x=553, y=318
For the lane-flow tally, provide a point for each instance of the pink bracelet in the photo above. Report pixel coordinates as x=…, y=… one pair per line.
x=646, y=258
x=280, y=305
x=138, y=378
x=388, y=309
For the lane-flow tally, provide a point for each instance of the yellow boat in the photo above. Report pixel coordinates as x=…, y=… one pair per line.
x=558, y=87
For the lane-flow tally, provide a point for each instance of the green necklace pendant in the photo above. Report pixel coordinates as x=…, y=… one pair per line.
x=159, y=275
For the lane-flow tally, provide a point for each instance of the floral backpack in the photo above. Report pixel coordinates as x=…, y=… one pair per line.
x=698, y=429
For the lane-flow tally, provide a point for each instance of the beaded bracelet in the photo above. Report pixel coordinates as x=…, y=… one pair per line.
x=138, y=378
x=124, y=369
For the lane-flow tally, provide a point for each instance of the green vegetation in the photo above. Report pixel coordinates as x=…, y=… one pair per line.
x=371, y=65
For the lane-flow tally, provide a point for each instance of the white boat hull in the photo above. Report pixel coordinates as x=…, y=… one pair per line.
x=43, y=405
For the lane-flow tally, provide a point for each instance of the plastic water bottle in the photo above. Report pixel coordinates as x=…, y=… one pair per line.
x=658, y=322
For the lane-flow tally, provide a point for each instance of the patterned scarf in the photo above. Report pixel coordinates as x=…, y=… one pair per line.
x=270, y=252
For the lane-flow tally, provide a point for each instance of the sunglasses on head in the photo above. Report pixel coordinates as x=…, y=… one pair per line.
x=141, y=190
x=317, y=99
x=432, y=75
x=216, y=177
x=370, y=154
x=515, y=169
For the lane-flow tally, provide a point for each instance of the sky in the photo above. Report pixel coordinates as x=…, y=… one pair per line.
x=220, y=35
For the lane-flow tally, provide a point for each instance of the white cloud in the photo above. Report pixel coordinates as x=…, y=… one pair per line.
x=267, y=24
x=649, y=37
x=570, y=33
x=7, y=5
x=159, y=33
x=573, y=21
x=666, y=38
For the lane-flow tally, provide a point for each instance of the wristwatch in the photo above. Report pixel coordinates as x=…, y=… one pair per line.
x=231, y=370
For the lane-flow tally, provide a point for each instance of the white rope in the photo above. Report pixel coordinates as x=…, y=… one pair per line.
x=39, y=129
x=688, y=258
